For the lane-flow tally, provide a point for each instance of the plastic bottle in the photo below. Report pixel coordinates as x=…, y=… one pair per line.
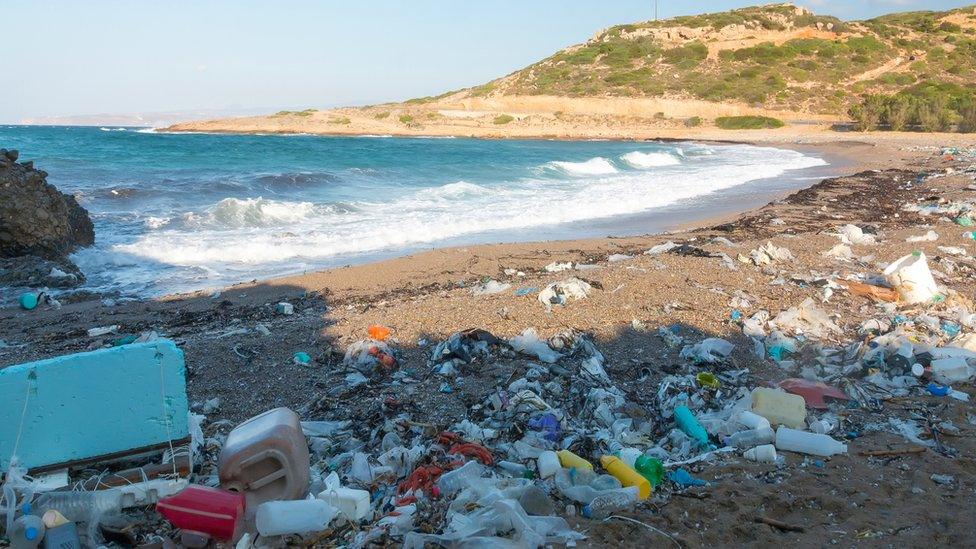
x=689, y=424
x=81, y=506
x=548, y=464
x=27, y=532
x=803, y=442
x=751, y=420
x=763, y=454
x=751, y=438
x=570, y=460
x=456, y=480
x=779, y=407
x=629, y=456
x=278, y=518
x=606, y=504
x=515, y=469
x=626, y=475
x=650, y=468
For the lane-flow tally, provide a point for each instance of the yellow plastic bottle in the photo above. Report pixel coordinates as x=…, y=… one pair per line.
x=568, y=459
x=626, y=475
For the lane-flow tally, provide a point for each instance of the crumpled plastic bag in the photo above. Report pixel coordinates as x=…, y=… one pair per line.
x=710, y=350
x=767, y=254
x=558, y=293
x=528, y=343
x=852, y=234
x=806, y=319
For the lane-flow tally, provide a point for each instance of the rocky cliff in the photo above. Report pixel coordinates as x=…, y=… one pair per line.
x=39, y=226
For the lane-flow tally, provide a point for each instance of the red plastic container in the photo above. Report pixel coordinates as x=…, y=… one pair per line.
x=212, y=511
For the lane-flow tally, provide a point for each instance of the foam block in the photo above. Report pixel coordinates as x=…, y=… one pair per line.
x=92, y=404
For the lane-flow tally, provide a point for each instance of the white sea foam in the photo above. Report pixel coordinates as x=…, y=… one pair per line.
x=146, y=130
x=593, y=166
x=643, y=160
x=112, y=129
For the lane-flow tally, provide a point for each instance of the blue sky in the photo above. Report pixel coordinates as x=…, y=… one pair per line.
x=95, y=56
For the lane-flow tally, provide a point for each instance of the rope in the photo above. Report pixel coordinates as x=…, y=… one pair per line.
x=20, y=430
x=162, y=401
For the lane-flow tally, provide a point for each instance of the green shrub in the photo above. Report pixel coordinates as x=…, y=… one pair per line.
x=693, y=52
x=381, y=115
x=748, y=122
x=693, y=122
x=503, y=119
x=406, y=119
x=340, y=120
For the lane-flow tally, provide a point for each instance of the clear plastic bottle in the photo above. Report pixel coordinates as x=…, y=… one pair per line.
x=608, y=502
x=752, y=438
x=455, y=480
x=27, y=532
x=81, y=506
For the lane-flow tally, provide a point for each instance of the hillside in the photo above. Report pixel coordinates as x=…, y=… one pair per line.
x=778, y=60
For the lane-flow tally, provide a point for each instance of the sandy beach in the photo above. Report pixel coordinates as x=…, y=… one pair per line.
x=425, y=297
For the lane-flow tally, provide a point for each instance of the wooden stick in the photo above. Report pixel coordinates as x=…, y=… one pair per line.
x=902, y=451
x=779, y=524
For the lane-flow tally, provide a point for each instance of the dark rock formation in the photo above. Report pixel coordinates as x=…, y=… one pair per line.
x=35, y=218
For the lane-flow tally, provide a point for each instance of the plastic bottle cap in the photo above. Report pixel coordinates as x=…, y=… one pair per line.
x=30, y=533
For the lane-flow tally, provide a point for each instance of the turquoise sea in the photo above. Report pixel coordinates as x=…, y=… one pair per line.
x=180, y=212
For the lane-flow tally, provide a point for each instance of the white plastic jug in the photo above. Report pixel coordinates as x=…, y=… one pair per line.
x=911, y=277
x=278, y=518
x=751, y=420
x=779, y=407
x=353, y=504
x=804, y=442
x=950, y=370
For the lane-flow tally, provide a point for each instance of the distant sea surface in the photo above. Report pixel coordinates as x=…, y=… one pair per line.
x=181, y=212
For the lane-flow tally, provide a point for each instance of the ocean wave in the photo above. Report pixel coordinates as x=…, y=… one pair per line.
x=295, y=179
x=643, y=160
x=146, y=130
x=593, y=166
x=112, y=129
x=459, y=189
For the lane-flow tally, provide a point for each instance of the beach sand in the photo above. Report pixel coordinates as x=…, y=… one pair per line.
x=424, y=297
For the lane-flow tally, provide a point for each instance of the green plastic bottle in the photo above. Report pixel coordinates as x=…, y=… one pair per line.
x=650, y=468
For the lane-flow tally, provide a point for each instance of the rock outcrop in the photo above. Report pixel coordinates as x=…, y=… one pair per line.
x=35, y=218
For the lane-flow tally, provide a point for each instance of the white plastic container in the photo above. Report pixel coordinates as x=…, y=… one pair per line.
x=763, y=454
x=352, y=503
x=752, y=438
x=911, y=277
x=548, y=464
x=779, y=407
x=629, y=456
x=279, y=518
x=751, y=420
x=950, y=370
x=792, y=440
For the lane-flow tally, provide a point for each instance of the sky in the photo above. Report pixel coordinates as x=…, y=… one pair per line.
x=99, y=56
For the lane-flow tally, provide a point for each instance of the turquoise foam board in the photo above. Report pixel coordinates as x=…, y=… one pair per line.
x=92, y=404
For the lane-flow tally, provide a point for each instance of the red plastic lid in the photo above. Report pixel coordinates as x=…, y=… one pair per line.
x=212, y=511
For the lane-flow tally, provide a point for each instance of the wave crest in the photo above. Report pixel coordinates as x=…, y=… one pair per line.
x=642, y=160
x=593, y=166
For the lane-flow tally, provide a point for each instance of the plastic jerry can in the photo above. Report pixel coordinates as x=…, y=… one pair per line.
x=779, y=407
x=212, y=511
x=266, y=459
